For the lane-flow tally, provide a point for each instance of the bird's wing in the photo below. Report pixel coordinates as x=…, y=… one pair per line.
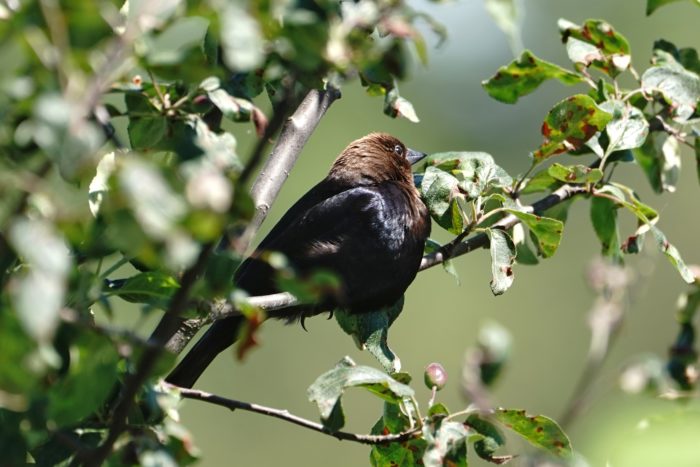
x=356, y=233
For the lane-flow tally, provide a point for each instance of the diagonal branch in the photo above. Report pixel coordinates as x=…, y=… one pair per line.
x=292, y=139
x=148, y=360
x=233, y=404
x=295, y=133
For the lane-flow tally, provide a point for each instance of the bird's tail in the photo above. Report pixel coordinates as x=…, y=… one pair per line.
x=218, y=337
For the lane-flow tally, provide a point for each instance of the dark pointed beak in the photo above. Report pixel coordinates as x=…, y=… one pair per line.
x=414, y=156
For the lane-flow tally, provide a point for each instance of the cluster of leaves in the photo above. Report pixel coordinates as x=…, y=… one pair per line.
x=146, y=97
x=647, y=124
x=438, y=437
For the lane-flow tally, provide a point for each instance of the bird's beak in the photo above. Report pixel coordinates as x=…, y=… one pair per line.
x=414, y=156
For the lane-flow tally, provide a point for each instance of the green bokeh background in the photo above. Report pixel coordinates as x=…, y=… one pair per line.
x=546, y=309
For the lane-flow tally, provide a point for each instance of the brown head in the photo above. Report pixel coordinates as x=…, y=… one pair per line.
x=375, y=158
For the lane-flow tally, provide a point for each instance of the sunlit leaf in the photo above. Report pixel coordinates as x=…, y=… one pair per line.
x=679, y=87
x=502, y=259
x=628, y=128
x=595, y=43
x=447, y=444
x=604, y=219
x=328, y=388
x=569, y=125
x=538, y=430
x=575, y=173
x=153, y=287
x=523, y=75
x=548, y=231
x=397, y=106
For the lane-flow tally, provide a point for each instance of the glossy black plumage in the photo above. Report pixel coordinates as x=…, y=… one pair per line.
x=364, y=222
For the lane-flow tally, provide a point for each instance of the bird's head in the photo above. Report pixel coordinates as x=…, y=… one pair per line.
x=375, y=158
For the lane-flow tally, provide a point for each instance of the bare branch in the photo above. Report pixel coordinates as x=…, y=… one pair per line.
x=233, y=404
x=294, y=135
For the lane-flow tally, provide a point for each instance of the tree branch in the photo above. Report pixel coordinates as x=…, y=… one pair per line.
x=295, y=133
x=452, y=250
x=233, y=404
x=148, y=360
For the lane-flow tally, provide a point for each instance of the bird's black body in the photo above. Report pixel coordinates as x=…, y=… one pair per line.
x=364, y=222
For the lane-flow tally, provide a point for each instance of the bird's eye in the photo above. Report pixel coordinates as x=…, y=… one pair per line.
x=398, y=150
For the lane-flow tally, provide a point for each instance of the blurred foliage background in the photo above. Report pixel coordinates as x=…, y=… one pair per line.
x=546, y=310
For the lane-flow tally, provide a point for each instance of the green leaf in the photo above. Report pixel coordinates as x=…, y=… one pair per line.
x=439, y=191
x=487, y=438
x=647, y=156
x=523, y=253
x=146, y=132
x=16, y=375
x=628, y=128
x=447, y=444
x=91, y=376
x=370, y=332
x=569, y=125
x=405, y=454
x=502, y=259
x=575, y=173
x=397, y=106
x=673, y=255
x=679, y=87
x=523, y=75
x=431, y=246
x=597, y=44
x=541, y=181
x=670, y=163
x=153, y=288
x=604, y=218
x=548, y=231
x=475, y=171
x=538, y=430
x=328, y=388
x=653, y=5
x=687, y=57
x=438, y=410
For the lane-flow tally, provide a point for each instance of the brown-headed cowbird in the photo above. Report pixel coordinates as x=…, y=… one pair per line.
x=365, y=223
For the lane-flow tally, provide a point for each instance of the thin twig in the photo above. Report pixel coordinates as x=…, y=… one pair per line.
x=233, y=404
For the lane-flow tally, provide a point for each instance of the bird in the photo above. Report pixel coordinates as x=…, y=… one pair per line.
x=364, y=222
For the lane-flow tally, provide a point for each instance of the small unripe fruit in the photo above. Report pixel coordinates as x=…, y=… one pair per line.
x=435, y=376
